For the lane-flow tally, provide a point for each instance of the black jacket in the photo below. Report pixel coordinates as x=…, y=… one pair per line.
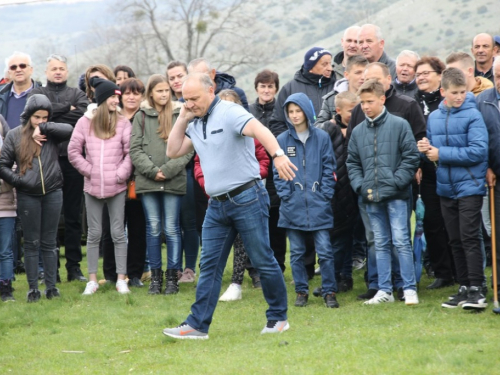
x=408, y=89
x=315, y=86
x=45, y=175
x=344, y=203
x=225, y=81
x=62, y=98
x=263, y=113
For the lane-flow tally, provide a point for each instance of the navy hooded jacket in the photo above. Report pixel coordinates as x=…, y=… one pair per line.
x=306, y=200
x=462, y=139
x=487, y=104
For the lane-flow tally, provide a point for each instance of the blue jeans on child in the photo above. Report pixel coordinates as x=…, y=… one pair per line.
x=247, y=214
x=324, y=250
x=162, y=211
x=389, y=221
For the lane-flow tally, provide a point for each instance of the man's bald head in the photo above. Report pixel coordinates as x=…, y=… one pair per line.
x=350, y=41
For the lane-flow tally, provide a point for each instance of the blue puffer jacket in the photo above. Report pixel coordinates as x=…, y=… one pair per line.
x=306, y=201
x=487, y=104
x=462, y=139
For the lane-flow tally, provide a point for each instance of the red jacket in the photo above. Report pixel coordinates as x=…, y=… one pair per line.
x=260, y=154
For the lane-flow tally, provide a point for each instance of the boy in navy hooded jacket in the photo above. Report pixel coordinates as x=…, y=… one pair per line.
x=306, y=201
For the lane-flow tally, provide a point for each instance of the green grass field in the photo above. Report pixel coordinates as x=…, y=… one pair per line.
x=108, y=333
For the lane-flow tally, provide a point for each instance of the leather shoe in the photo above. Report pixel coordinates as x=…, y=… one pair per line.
x=441, y=283
x=77, y=275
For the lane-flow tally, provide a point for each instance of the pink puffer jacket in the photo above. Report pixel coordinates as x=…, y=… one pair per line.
x=106, y=165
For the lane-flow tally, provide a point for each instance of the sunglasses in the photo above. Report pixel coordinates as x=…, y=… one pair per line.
x=22, y=66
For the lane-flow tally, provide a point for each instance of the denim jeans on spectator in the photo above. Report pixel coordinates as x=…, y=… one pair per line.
x=389, y=220
x=324, y=250
x=371, y=261
x=40, y=219
x=162, y=212
x=190, y=237
x=247, y=214
x=7, y=225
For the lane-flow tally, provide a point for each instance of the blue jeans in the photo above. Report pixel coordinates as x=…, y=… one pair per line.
x=325, y=255
x=6, y=252
x=247, y=214
x=389, y=220
x=162, y=211
x=190, y=237
x=371, y=258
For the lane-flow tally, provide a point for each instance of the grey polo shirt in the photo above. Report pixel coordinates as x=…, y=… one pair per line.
x=227, y=157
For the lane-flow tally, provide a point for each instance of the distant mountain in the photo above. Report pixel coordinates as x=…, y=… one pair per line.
x=287, y=29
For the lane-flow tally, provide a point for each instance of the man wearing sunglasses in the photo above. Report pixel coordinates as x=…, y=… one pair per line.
x=13, y=96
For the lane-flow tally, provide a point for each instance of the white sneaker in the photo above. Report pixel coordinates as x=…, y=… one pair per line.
x=91, y=288
x=317, y=271
x=411, y=297
x=122, y=286
x=233, y=293
x=380, y=297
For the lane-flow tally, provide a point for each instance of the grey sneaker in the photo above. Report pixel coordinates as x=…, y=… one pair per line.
x=358, y=263
x=185, y=331
x=275, y=326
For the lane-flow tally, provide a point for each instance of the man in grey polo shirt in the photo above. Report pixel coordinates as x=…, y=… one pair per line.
x=221, y=133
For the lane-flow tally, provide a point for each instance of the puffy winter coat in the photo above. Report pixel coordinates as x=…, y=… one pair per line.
x=45, y=175
x=149, y=155
x=487, y=104
x=344, y=204
x=305, y=201
x=382, y=158
x=315, y=86
x=104, y=163
x=462, y=139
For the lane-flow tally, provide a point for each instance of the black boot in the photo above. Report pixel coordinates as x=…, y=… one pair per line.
x=345, y=284
x=156, y=281
x=6, y=290
x=172, y=286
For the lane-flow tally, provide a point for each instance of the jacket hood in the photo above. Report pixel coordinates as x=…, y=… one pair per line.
x=481, y=85
x=35, y=103
x=224, y=81
x=305, y=104
x=469, y=103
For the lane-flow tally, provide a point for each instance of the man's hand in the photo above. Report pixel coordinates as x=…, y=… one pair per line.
x=284, y=167
x=418, y=176
x=72, y=108
x=186, y=113
x=491, y=179
x=160, y=176
x=423, y=145
x=433, y=153
x=37, y=137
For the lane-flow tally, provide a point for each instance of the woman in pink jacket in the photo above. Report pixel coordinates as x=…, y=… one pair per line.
x=104, y=138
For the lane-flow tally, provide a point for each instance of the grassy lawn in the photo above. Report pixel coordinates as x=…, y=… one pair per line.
x=114, y=334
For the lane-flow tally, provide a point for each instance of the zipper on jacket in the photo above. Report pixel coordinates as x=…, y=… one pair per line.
x=448, y=144
x=472, y=176
x=101, y=165
x=41, y=175
x=305, y=183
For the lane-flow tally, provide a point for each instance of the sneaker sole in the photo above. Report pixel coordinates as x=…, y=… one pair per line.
x=475, y=306
x=186, y=337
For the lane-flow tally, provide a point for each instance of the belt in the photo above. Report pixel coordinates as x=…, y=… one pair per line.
x=235, y=192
